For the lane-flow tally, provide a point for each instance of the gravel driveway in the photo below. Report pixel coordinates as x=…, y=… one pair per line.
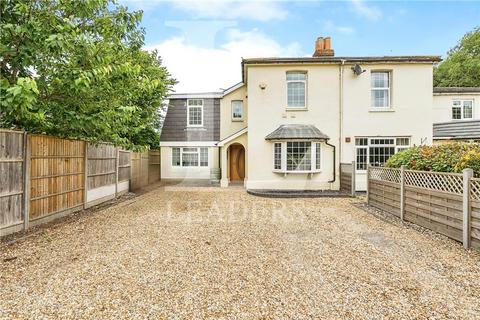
x=224, y=254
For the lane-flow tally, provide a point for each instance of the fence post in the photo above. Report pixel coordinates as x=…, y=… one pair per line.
x=467, y=174
x=353, y=188
x=85, y=175
x=402, y=192
x=368, y=184
x=26, y=182
x=117, y=155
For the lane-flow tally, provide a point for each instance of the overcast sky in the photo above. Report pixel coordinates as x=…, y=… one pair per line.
x=202, y=42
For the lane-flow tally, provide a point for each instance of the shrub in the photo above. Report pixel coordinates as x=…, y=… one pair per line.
x=452, y=157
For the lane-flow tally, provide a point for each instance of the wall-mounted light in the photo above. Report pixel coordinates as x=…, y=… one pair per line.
x=263, y=86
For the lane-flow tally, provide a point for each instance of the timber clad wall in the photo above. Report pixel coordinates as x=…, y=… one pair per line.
x=43, y=177
x=175, y=124
x=447, y=203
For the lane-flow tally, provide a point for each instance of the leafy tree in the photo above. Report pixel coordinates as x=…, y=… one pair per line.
x=462, y=66
x=76, y=69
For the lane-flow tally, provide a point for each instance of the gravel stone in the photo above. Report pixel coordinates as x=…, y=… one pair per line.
x=196, y=253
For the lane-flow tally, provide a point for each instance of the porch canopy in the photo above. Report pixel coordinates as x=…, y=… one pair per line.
x=297, y=131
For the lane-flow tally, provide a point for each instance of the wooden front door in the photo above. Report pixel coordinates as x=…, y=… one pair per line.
x=237, y=162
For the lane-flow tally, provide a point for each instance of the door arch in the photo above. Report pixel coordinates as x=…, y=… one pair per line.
x=236, y=161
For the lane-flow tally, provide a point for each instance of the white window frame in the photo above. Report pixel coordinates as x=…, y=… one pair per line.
x=233, y=118
x=389, y=90
x=367, y=147
x=462, y=109
x=198, y=152
x=313, y=156
x=188, y=113
x=305, y=84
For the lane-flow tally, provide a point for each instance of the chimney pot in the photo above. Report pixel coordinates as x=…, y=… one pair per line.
x=319, y=44
x=327, y=43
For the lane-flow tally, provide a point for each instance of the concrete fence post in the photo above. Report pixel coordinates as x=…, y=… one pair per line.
x=402, y=192
x=26, y=182
x=117, y=155
x=85, y=175
x=467, y=175
x=353, y=188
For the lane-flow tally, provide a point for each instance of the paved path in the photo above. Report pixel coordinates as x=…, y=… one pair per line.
x=224, y=254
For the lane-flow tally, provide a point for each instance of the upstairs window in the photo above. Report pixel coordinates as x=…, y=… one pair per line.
x=462, y=109
x=296, y=89
x=380, y=89
x=237, y=110
x=195, y=112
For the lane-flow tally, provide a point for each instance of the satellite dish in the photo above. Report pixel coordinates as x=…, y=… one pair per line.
x=357, y=70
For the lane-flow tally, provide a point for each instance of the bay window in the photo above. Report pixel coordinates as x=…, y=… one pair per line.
x=297, y=156
x=277, y=156
x=380, y=89
x=376, y=151
x=190, y=157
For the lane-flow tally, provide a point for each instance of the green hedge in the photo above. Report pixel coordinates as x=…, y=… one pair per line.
x=452, y=157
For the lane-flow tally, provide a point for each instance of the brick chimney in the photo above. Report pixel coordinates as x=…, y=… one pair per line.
x=323, y=47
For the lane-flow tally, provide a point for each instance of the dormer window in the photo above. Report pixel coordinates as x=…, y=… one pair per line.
x=195, y=112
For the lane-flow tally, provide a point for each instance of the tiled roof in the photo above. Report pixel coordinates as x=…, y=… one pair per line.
x=457, y=130
x=456, y=89
x=297, y=131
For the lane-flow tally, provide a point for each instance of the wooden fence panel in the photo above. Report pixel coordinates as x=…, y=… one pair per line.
x=432, y=200
x=124, y=165
x=101, y=173
x=56, y=176
x=139, y=167
x=475, y=231
x=124, y=171
x=11, y=181
x=435, y=210
x=153, y=166
x=345, y=177
x=384, y=195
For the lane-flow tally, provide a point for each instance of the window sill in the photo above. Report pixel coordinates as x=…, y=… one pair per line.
x=381, y=110
x=296, y=109
x=237, y=120
x=295, y=172
x=200, y=128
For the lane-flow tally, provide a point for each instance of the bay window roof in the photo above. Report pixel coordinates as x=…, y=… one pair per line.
x=297, y=131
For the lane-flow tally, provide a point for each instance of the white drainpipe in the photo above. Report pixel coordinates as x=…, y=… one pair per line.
x=340, y=111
